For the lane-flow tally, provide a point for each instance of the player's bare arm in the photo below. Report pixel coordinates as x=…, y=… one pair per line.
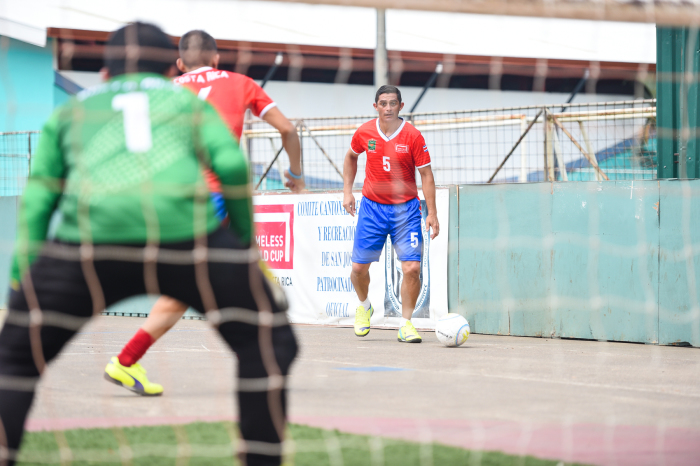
x=349, y=172
x=290, y=141
x=426, y=175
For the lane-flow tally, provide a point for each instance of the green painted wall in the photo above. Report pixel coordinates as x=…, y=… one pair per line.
x=28, y=95
x=677, y=59
x=679, y=262
x=605, y=261
x=60, y=96
x=28, y=88
x=615, y=261
x=26, y=85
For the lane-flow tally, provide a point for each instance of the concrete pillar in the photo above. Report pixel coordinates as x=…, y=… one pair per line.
x=381, y=59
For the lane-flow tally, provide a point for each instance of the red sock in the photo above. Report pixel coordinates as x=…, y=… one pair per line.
x=136, y=348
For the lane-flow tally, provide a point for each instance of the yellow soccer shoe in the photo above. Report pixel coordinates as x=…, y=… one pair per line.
x=362, y=320
x=132, y=378
x=409, y=334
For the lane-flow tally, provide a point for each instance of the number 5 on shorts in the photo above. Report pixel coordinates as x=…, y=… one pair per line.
x=414, y=239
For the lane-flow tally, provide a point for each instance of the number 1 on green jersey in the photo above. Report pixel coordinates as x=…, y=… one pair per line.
x=137, y=121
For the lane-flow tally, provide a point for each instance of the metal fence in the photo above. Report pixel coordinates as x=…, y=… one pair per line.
x=594, y=141
x=15, y=154
x=573, y=142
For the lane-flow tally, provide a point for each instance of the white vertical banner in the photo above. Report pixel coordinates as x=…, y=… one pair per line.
x=307, y=241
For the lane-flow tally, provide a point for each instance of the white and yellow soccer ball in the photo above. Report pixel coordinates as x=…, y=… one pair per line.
x=452, y=329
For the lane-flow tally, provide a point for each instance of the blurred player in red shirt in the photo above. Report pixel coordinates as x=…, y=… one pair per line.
x=395, y=149
x=231, y=94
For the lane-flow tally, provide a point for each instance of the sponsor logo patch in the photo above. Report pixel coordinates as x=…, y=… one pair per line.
x=401, y=149
x=274, y=233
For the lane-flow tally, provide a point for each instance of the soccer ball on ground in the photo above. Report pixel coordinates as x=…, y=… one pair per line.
x=452, y=329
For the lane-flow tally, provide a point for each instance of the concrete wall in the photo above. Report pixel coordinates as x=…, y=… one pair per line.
x=60, y=96
x=8, y=228
x=679, y=262
x=26, y=85
x=615, y=261
x=606, y=261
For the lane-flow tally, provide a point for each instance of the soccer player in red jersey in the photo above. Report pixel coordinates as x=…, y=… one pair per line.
x=231, y=94
x=395, y=149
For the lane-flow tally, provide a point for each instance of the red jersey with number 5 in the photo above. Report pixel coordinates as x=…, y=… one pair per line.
x=230, y=93
x=390, y=172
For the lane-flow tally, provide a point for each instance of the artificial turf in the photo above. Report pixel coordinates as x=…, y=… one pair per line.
x=214, y=444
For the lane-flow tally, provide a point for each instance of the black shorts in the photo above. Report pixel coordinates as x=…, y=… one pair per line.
x=69, y=284
x=65, y=283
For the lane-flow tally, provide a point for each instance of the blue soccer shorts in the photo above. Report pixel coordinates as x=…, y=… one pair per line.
x=376, y=221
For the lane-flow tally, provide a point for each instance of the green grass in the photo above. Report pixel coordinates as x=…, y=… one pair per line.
x=213, y=444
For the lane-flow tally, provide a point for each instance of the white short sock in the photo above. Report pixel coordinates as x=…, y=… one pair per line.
x=403, y=321
x=366, y=304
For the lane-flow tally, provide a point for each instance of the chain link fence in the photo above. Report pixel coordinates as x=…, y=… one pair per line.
x=571, y=142
x=16, y=150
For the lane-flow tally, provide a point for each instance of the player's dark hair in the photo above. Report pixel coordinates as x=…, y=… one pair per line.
x=139, y=48
x=387, y=89
x=197, y=48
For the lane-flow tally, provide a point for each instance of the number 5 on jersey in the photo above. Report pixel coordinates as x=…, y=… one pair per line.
x=387, y=165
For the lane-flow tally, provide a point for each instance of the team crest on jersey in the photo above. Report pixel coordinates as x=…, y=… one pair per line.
x=371, y=144
x=401, y=149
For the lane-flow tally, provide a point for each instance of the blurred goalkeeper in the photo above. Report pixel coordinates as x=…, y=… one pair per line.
x=123, y=164
x=231, y=94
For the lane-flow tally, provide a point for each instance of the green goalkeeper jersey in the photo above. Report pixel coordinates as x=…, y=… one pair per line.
x=122, y=163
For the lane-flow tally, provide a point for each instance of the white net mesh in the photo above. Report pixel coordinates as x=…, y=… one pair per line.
x=584, y=242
